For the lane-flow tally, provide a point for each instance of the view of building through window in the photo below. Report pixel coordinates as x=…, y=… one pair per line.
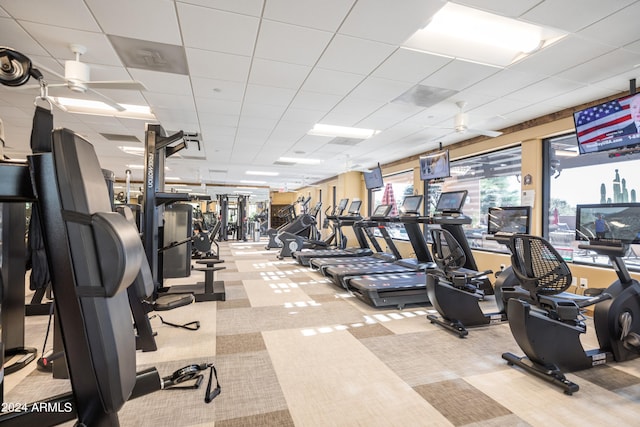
x=592, y=178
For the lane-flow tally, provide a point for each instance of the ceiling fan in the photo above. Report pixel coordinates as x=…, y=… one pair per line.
x=77, y=77
x=461, y=123
x=352, y=166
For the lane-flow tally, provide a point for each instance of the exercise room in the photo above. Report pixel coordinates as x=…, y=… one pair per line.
x=319, y=213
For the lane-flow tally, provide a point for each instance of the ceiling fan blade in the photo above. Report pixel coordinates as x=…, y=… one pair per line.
x=116, y=84
x=110, y=102
x=485, y=132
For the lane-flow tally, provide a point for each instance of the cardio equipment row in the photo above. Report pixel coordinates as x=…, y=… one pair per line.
x=531, y=294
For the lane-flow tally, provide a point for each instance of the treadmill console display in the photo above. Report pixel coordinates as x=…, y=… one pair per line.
x=451, y=202
x=411, y=205
x=509, y=219
x=342, y=205
x=381, y=210
x=354, y=209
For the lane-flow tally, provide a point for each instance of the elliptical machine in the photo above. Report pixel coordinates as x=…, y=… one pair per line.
x=547, y=327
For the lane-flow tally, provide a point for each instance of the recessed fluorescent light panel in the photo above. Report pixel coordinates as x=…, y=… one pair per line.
x=98, y=108
x=248, y=181
x=342, y=131
x=262, y=173
x=300, y=160
x=478, y=36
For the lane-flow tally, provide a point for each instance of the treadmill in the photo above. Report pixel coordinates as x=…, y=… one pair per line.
x=351, y=219
x=448, y=215
x=342, y=275
x=399, y=288
x=379, y=217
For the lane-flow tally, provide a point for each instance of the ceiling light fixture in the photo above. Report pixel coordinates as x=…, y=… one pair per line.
x=262, y=173
x=248, y=181
x=342, y=131
x=98, y=108
x=300, y=160
x=478, y=36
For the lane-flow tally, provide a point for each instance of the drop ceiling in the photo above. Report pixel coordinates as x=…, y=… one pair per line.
x=255, y=75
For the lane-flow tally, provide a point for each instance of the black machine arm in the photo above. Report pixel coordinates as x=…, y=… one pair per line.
x=615, y=250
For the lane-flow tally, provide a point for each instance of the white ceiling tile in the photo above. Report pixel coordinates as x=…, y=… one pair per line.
x=388, y=116
x=410, y=65
x=167, y=83
x=380, y=90
x=291, y=43
x=580, y=96
x=315, y=101
x=385, y=22
x=354, y=55
x=226, y=120
x=504, y=82
x=457, y=75
x=222, y=90
x=217, y=65
x=57, y=42
x=262, y=110
x=65, y=13
x=267, y=95
x=610, y=29
x=216, y=30
x=160, y=26
x=612, y=63
x=331, y=82
x=572, y=15
x=349, y=112
x=326, y=15
x=256, y=122
x=216, y=106
x=559, y=56
x=13, y=36
x=277, y=74
x=301, y=115
x=633, y=47
x=247, y=7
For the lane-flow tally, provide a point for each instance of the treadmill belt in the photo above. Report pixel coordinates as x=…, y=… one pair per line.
x=388, y=282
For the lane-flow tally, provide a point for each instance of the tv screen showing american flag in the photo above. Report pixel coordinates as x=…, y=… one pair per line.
x=613, y=124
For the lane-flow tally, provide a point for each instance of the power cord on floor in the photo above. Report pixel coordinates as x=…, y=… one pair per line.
x=190, y=326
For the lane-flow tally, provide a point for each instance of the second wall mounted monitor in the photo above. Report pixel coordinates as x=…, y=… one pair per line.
x=435, y=166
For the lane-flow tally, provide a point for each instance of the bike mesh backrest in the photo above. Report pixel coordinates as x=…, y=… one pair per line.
x=538, y=266
x=447, y=252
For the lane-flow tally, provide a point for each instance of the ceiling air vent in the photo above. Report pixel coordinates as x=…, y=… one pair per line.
x=424, y=96
x=120, y=137
x=149, y=55
x=345, y=141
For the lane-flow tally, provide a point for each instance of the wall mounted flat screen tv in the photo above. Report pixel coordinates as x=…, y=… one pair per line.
x=435, y=166
x=619, y=221
x=509, y=219
x=373, y=179
x=611, y=125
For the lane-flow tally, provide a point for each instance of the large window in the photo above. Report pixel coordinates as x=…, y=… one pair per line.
x=585, y=179
x=396, y=187
x=491, y=179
